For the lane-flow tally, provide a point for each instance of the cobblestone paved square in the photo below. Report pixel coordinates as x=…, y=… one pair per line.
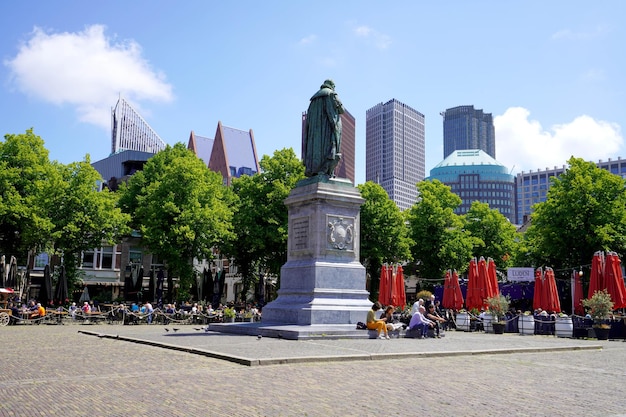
x=57, y=371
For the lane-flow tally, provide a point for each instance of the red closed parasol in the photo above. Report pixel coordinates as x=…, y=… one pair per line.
x=457, y=299
x=398, y=293
x=538, y=290
x=384, y=290
x=484, y=284
x=577, y=294
x=596, y=280
x=447, y=287
x=550, y=299
x=614, y=280
x=493, y=278
x=474, y=299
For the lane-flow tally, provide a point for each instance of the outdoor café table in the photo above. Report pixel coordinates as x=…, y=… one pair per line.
x=107, y=307
x=93, y=315
x=58, y=315
x=213, y=318
x=25, y=316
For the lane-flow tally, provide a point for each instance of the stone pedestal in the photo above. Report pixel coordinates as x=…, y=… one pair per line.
x=323, y=281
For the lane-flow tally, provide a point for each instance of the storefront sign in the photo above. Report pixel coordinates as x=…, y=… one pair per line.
x=520, y=274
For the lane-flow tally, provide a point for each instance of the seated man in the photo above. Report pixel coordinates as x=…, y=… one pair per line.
x=480, y=323
x=432, y=315
x=39, y=313
x=15, y=312
x=170, y=313
x=420, y=323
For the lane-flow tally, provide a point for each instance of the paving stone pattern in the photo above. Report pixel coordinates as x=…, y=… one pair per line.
x=61, y=371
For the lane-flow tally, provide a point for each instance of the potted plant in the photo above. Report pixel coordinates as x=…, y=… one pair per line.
x=229, y=315
x=498, y=306
x=424, y=295
x=600, y=308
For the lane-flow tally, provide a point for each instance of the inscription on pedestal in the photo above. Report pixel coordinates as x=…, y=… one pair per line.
x=340, y=233
x=300, y=233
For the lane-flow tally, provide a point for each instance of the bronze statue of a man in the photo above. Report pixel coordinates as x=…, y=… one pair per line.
x=322, y=139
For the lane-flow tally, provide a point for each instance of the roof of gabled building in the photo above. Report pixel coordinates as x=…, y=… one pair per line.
x=202, y=146
x=234, y=153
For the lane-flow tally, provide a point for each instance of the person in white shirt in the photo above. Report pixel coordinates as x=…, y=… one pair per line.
x=416, y=306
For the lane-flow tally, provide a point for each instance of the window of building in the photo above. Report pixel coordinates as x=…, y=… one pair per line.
x=88, y=259
x=41, y=261
x=134, y=256
x=107, y=257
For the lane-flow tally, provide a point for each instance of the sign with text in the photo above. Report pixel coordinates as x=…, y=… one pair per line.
x=520, y=274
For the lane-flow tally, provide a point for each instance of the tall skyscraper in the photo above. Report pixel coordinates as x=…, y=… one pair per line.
x=395, y=144
x=345, y=168
x=467, y=128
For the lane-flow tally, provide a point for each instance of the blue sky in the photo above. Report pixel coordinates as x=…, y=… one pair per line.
x=551, y=73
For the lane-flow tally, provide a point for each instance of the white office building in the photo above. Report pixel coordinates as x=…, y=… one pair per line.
x=395, y=143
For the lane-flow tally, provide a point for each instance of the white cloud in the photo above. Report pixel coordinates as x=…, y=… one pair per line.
x=593, y=74
x=379, y=40
x=86, y=70
x=568, y=34
x=524, y=144
x=363, y=31
x=308, y=40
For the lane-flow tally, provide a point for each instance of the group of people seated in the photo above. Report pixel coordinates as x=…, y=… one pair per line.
x=33, y=311
x=196, y=312
x=426, y=320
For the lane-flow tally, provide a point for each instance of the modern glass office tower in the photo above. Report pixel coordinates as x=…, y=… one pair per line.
x=475, y=176
x=395, y=145
x=467, y=128
x=130, y=132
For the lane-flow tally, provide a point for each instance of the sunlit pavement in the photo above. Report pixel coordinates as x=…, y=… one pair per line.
x=115, y=370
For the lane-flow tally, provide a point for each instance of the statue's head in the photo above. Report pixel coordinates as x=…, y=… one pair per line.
x=328, y=84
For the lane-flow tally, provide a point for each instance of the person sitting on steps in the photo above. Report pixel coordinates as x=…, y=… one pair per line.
x=374, y=324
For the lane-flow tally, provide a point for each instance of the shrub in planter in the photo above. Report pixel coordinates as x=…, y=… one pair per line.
x=498, y=306
x=229, y=314
x=600, y=308
x=424, y=295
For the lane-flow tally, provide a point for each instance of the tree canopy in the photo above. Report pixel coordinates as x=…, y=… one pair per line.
x=260, y=221
x=495, y=235
x=181, y=208
x=584, y=212
x=440, y=241
x=84, y=217
x=24, y=174
x=384, y=234
x=51, y=207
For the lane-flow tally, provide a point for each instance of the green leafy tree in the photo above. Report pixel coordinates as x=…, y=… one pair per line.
x=384, y=234
x=83, y=217
x=260, y=221
x=25, y=172
x=181, y=208
x=584, y=212
x=495, y=235
x=440, y=240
